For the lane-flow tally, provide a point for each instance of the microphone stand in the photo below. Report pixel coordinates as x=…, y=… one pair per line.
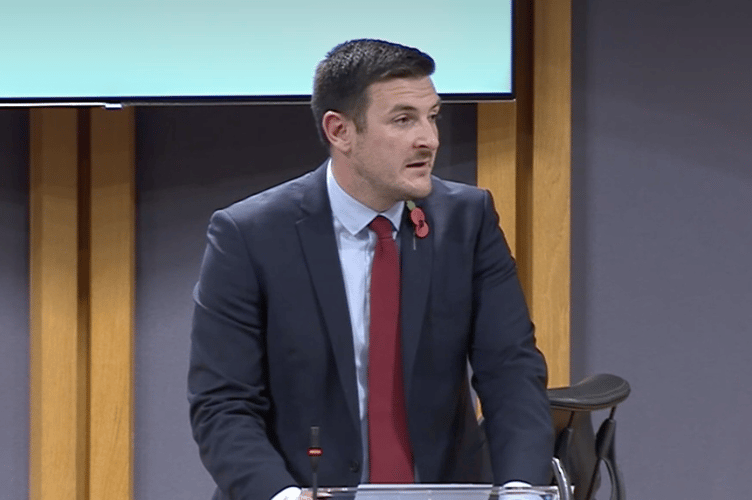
x=314, y=454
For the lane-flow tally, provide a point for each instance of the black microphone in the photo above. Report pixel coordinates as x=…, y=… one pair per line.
x=314, y=454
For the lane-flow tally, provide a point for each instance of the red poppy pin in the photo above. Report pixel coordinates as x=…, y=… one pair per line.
x=418, y=218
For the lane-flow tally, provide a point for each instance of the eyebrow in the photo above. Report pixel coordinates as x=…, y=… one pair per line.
x=407, y=107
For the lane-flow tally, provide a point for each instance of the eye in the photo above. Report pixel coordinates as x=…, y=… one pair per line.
x=402, y=120
x=434, y=117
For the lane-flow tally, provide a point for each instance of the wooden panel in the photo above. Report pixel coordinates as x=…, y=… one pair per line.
x=550, y=242
x=523, y=75
x=497, y=169
x=58, y=321
x=112, y=303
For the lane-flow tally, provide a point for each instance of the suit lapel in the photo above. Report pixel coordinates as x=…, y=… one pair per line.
x=317, y=239
x=416, y=261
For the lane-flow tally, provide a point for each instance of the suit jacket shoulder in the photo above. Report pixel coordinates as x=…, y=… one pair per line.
x=278, y=204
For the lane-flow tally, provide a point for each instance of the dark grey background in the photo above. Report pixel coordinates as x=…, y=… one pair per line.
x=661, y=226
x=14, y=303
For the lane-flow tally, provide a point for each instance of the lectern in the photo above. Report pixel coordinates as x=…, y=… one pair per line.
x=454, y=491
x=438, y=492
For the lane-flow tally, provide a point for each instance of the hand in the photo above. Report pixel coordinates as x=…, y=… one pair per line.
x=308, y=495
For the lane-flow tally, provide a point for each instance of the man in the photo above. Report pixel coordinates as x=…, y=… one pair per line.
x=292, y=306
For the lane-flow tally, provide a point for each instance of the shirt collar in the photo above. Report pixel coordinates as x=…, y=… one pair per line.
x=351, y=213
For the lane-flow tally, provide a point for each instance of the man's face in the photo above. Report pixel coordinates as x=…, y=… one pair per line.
x=392, y=157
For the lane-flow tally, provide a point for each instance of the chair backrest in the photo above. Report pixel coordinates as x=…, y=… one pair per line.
x=580, y=450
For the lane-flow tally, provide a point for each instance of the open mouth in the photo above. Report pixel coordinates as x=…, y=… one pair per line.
x=417, y=164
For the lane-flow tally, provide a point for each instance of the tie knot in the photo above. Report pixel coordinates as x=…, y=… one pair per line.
x=382, y=227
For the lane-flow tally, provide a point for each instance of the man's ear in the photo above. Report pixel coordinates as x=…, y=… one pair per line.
x=339, y=130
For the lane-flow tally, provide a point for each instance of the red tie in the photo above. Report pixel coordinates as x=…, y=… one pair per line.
x=390, y=457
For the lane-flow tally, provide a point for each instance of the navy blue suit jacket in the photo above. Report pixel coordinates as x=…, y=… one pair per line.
x=272, y=351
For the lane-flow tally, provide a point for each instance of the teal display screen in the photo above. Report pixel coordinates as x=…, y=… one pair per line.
x=90, y=49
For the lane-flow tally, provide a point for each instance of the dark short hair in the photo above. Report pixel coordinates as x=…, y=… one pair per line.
x=342, y=78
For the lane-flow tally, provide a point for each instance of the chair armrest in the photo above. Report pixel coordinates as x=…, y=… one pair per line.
x=593, y=393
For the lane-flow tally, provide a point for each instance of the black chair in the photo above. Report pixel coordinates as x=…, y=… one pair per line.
x=578, y=449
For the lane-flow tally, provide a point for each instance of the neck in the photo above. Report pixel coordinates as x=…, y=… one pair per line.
x=357, y=188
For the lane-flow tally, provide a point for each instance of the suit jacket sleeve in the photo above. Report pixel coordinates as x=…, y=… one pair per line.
x=509, y=373
x=227, y=379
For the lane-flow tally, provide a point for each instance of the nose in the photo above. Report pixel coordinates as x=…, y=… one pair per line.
x=428, y=136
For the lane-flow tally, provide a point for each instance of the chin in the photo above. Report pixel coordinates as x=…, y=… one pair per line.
x=420, y=191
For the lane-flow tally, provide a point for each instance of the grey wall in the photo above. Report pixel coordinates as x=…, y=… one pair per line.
x=662, y=235
x=191, y=161
x=14, y=304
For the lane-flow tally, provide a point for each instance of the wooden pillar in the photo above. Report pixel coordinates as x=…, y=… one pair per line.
x=81, y=305
x=551, y=186
x=524, y=159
